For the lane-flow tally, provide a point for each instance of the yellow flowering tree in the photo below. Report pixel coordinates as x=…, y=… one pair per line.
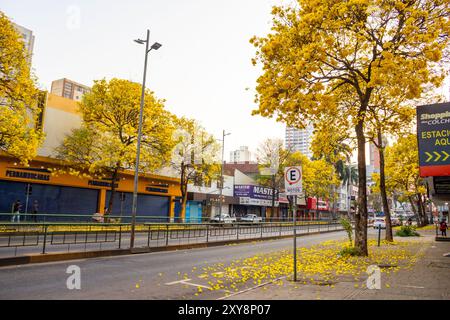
x=107, y=141
x=19, y=134
x=387, y=116
x=319, y=53
x=272, y=158
x=194, y=157
x=402, y=175
x=319, y=178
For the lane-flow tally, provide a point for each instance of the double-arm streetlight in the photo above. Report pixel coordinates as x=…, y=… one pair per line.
x=222, y=182
x=154, y=46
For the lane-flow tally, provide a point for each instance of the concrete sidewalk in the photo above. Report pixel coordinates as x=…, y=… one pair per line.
x=429, y=278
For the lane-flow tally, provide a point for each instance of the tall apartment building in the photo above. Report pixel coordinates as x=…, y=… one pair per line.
x=241, y=155
x=300, y=140
x=69, y=89
x=28, y=39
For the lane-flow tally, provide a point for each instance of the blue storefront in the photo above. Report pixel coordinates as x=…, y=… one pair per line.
x=51, y=199
x=193, y=212
x=150, y=208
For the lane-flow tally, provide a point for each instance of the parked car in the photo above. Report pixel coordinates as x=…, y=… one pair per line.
x=379, y=223
x=395, y=222
x=224, y=218
x=253, y=218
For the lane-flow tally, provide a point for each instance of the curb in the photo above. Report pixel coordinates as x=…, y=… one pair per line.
x=67, y=256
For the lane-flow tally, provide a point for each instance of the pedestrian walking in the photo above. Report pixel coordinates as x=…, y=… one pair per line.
x=443, y=227
x=35, y=210
x=16, y=207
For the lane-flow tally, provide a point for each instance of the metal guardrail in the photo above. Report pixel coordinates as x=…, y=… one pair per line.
x=59, y=237
x=46, y=217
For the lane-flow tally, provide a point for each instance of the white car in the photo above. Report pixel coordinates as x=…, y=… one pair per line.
x=224, y=218
x=379, y=223
x=253, y=218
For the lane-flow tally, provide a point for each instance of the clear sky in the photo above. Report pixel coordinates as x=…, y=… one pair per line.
x=202, y=70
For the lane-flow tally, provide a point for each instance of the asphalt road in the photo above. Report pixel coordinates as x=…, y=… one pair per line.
x=55, y=244
x=145, y=276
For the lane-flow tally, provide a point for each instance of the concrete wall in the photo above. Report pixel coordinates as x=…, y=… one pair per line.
x=60, y=117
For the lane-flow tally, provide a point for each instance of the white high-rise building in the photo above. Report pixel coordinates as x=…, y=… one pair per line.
x=28, y=39
x=241, y=155
x=300, y=140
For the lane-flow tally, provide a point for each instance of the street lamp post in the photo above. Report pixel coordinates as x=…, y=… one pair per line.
x=221, y=173
x=155, y=46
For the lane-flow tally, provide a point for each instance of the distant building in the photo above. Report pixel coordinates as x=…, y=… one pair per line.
x=69, y=89
x=250, y=169
x=374, y=157
x=241, y=155
x=374, y=161
x=60, y=117
x=300, y=140
x=28, y=39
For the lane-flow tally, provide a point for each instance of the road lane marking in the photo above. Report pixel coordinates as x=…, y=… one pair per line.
x=252, y=288
x=176, y=282
x=414, y=287
x=186, y=282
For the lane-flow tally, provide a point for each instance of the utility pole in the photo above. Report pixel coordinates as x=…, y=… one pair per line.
x=221, y=175
x=349, y=196
x=273, y=195
x=295, y=236
x=155, y=46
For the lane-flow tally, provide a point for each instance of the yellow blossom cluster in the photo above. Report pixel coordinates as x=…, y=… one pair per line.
x=320, y=264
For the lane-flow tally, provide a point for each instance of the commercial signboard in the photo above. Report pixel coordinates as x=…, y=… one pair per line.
x=257, y=202
x=433, y=134
x=255, y=195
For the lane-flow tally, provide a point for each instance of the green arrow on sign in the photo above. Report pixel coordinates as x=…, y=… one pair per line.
x=446, y=155
x=438, y=156
x=430, y=156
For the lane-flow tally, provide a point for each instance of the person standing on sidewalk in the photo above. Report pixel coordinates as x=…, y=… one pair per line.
x=16, y=211
x=35, y=210
x=443, y=227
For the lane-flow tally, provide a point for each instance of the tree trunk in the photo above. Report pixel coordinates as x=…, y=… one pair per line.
x=425, y=216
x=413, y=207
x=384, y=199
x=421, y=211
x=183, y=189
x=349, y=196
x=361, y=212
x=290, y=209
x=109, y=209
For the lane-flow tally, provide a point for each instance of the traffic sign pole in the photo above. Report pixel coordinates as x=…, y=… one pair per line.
x=293, y=186
x=295, y=238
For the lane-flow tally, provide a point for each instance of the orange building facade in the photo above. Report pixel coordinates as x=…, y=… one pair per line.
x=60, y=193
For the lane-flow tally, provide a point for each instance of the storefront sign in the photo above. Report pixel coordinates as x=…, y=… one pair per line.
x=433, y=133
x=159, y=190
x=254, y=192
x=27, y=175
x=257, y=202
x=102, y=184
